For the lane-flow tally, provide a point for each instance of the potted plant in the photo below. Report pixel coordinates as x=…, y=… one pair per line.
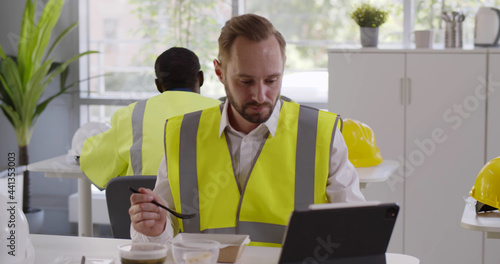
x=369, y=18
x=24, y=77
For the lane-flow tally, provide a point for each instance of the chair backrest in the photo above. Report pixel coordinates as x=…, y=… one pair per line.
x=118, y=201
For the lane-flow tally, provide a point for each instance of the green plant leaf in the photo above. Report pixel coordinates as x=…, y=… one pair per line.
x=34, y=90
x=366, y=15
x=65, y=64
x=86, y=79
x=41, y=107
x=23, y=80
x=36, y=39
x=43, y=29
x=62, y=78
x=25, y=38
x=60, y=37
x=2, y=53
x=5, y=92
x=12, y=81
x=11, y=115
x=11, y=121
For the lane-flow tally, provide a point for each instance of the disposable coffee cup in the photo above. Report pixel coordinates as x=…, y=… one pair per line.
x=143, y=253
x=424, y=39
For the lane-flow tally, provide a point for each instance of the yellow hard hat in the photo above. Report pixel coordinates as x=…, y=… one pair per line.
x=361, y=145
x=486, y=189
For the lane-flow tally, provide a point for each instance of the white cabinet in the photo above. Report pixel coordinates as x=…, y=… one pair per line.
x=492, y=254
x=493, y=135
x=445, y=135
x=359, y=90
x=425, y=112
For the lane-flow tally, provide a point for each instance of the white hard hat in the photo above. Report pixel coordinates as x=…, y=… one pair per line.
x=89, y=129
x=17, y=248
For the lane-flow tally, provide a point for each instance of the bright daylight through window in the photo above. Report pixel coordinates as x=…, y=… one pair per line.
x=130, y=37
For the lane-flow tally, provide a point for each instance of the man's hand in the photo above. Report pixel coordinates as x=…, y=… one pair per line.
x=146, y=217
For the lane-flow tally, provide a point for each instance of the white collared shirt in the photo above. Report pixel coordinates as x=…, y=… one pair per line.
x=244, y=147
x=342, y=184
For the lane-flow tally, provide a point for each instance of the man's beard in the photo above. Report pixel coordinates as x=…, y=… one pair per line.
x=256, y=118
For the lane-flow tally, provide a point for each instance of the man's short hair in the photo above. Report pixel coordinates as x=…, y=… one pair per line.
x=251, y=26
x=177, y=68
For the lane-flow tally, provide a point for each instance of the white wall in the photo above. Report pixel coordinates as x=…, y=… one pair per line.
x=54, y=130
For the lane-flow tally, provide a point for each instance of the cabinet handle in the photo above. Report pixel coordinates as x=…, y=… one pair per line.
x=401, y=91
x=409, y=91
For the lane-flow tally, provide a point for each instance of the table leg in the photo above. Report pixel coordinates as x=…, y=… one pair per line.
x=84, y=208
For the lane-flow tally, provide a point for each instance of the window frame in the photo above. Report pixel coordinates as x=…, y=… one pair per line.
x=238, y=7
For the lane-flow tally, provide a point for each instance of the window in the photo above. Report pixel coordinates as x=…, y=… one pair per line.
x=310, y=27
x=428, y=16
x=130, y=37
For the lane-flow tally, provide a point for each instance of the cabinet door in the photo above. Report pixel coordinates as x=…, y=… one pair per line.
x=491, y=252
x=493, y=138
x=367, y=87
x=445, y=137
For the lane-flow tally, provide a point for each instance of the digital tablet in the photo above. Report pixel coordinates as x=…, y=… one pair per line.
x=339, y=233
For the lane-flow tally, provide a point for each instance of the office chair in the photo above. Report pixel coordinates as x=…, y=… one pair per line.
x=118, y=201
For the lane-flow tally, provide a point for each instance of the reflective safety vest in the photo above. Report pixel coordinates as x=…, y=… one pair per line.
x=290, y=173
x=134, y=143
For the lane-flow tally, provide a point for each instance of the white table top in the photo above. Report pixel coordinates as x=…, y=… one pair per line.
x=64, y=167
x=486, y=222
x=379, y=173
x=61, y=166
x=50, y=248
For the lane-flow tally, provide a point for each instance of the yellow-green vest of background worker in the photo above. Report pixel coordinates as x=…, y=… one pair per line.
x=276, y=185
x=134, y=143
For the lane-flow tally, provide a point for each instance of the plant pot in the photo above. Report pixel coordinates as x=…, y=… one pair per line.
x=369, y=36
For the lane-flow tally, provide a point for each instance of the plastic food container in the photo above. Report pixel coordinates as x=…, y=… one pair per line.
x=195, y=251
x=136, y=253
x=231, y=248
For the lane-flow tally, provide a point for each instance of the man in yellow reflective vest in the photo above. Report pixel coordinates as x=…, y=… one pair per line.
x=244, y=166
x=134, y=143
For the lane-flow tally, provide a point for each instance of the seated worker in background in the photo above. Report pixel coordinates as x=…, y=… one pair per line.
x=251, y=161
x=134, y=143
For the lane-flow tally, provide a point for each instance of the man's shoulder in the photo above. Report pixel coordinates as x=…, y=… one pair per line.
x=170, y=94
x=307, y=108
x=216, y=108
x=300, y=109
x=124, y=111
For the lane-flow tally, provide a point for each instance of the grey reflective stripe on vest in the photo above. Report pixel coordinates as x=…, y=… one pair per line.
x=188, y=174
x=259, y=232
x=262, y=232
x=336, y=123
x=226, y=230
x=305, y=157
x=337, y=120
x=136, y=148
